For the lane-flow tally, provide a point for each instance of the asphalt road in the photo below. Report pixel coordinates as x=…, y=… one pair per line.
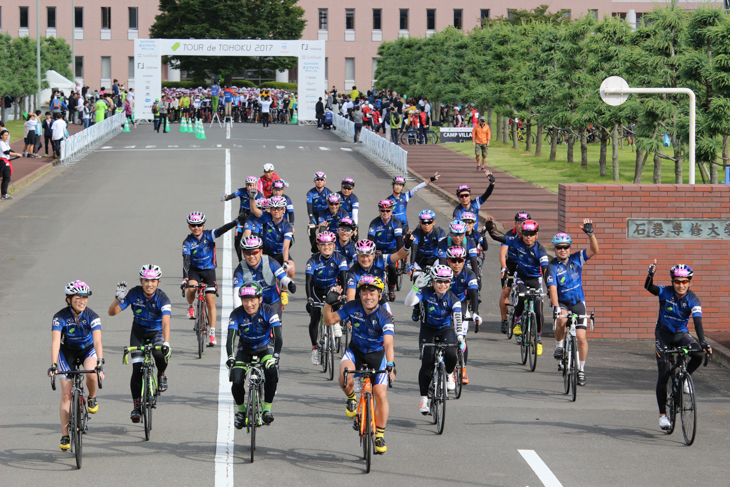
x=125, y=205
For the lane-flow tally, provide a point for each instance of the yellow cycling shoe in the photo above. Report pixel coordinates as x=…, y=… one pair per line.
x=93, y=405
x=284, y=298
x=517, y=330
x=351, y=408
x=539, y=348
x=65, y=443
x=380, y=447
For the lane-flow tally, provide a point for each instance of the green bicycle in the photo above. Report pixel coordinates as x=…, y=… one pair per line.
x=149, y=382
x=528, y=339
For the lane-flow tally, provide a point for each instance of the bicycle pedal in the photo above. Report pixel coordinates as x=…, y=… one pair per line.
x=356, y=424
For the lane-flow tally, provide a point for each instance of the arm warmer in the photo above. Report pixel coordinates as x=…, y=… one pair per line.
x=458, y=325
x=414, y=251
x=230, y=342
x=473, y=296
x=278, y=340
x=342, y=279
x=310, y=212
x=220, y=231
x=355, y=211
x=496, y=236
x=186, y=265
x=412, y=298
x=474, y=265
x=398, y=243
x=308, y=284
x=698, y=328
x=229, y=197
x=488, y=192
x=291, y=217
x=653, y=288
x=415, y=190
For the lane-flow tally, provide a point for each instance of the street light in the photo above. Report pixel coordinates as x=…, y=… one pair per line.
x=615, y=91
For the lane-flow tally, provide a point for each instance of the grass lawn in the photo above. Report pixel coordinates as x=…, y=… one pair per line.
x=541, y=172
x=15, y=127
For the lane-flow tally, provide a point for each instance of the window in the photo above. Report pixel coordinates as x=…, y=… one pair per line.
x=1, y=16
x=458, y=17
x=130, y=70
x=326, y=67
x=378, y=18
x=350, y=68
x=51, y=16
x=23, y=17
x=566, y=13
x=350, y=19
x=404, y=19
x=133, y=15
x=79, y=66
x=431, y=19
x=323, y=19
x=79, y=17
x=484, y=15
x=593, y=12
x=106, y=67
x=106, y=17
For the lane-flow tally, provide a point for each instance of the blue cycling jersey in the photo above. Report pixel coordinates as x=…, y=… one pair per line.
x=439, y=310
x=400, y=210
x=463, y=281
x=349, y=203
x=477, y=238
x=332, y=218
x=474, y=206
x=242, y=194
x=347, y=251
x=76, y=335
x=530, y=260
x=357, y=271
x=511, y=251
x=274, y=234
x=384, y=234
x=202, y=250
x=271, y=291
x=467, y=244
x=567, y=278
x=318, y=199
x=254, y=331
x=674, y=312
x=368, y=330
x=324, y=270
x=289, y=213
x=427, y=243
x=148, y=312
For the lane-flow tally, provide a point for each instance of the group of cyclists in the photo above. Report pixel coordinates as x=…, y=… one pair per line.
x=350, y=279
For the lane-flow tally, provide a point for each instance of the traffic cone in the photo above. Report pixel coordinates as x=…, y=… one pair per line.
x=167, y=127
x=201, y=135
x=126, y=126
x=183, y=127
x=294, y=117
x=197, y=130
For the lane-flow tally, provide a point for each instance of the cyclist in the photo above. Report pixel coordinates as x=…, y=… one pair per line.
x=676, y=304
x=371, y=346
x=369, y=263
x=277, y=189
x=76, y=335
x=325, y=269
x=442, y=320
x=329, y=220
x=387, y=233
x=565, y=289
x=264, y=271
x=349, y=201
x=276, y=233
x=344, y=245
x=400, y=199
x=478, y=239
x=317, y=201
x=151, y=324
x=244, y=194
x=265, y=181
x=199, y=263
x=465, y=288
x=508, y=261
x=256, y=323
x=457, y=238
x=425, y=243
x=532, y=262
x=469, y=204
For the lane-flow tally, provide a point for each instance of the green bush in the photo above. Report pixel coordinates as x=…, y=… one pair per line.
x=277, y=85
x=244, y=83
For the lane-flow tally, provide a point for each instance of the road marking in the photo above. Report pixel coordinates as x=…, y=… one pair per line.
x=347, y=149
x=218, y=145
x=281, y=147
x=150, y=146
x=324, y=148
x=130, y=146
x=542, y=471
x=195, y=146
x=302, y=147
x=107, y=147
x=224, y=441
x=228, y=130
x=171, y=146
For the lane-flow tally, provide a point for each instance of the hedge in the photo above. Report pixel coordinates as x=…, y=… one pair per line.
x=277, y=85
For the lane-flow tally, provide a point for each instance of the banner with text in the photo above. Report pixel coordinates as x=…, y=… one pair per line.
x=454, y=134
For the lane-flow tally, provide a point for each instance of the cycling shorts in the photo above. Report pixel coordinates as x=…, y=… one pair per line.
x=140, y=336
x=67, y=357
x=204, y=275
x=511, y=268
x=579, y=309
x=375, y=360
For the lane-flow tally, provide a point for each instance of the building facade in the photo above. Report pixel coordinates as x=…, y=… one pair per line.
x=102, y=35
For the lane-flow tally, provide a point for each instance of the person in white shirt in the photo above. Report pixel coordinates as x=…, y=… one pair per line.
x=80, y=110
x=265, y=111
x=130, y=97
x=29, y=135
x=59, y=133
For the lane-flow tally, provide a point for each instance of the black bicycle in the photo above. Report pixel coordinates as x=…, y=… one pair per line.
x=569, y=363
x=149, y=383
x=437, y=393
x=254, y=399
x=327, y=345
x=528, y=339
x=79, y=415
x=681, y=394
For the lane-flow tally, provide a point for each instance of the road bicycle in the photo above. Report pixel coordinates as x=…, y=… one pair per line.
x=254, y=399
x=681, y=394
x=570, y=360
x=522, y=136
x=79, y=414
x=511, y=303
x=437, y=393
x=364, y=422
x=327, y=346
x=150, y=391
x=202, y=323
x=528, y=339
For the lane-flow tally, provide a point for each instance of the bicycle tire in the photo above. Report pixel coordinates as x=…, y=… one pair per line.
x=565, y=361
x=146, y=406
x=510, y=323
x=671, y=409
x=399, y=277
x=458, y=373
x=433, y=394
x=574, y=367
x=688, y=411
x=199, y=329
x=78, y=427
x=151, y=395
x=524, y=350
x=368, y=448
x=441, y=404
x=330, y=353
x=346, y=337
x=532, y=347
x=322, y=342
x=253, y=418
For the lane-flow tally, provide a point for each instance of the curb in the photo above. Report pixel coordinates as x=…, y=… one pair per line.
x=28, y=178
x=720, y=354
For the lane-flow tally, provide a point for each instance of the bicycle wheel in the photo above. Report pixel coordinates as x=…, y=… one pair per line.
x=433, y=395
x=687, y=410
x=78, y=426
x=532, y=346
x=524, y=346
x=199, y=328
x=399, y=277
x=510, y=322
x=458, y=372
x=368, y=446
x=151, y=399
x=565, y=362
x=330, y=353
x=574, y=366
x=441, y=403
x=253, y=410
x=146, y=406
x=671, y=408
x=322, y=341
x=345, y=338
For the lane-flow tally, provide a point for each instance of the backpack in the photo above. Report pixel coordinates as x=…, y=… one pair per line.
x=155, y=111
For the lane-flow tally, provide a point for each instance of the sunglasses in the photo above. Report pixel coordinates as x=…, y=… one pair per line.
x=427, y=223
x=385, y=211
x=464, y=196
x=251, y=252
x=562, y=247
x=196, y=225
x=349, y=188
x=456, y=260
x=681, y=282
x=442, y=281
x=334, y=204
x=346, y=230
x=320, y=179
x=525, y=233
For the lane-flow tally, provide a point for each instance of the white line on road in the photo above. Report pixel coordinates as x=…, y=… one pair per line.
x=130, y=146
x=171, y=146
x=218, y=145
x=324, y=148
x=150, y=146
x=542, y=471
x=224, y=440
x=346, y=149
x=301, y=147
x=107, y=147
x=228, y=130
x=281, y=147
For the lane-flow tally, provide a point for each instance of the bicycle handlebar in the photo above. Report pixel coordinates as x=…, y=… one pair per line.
x=437, y=345
x=367, y=373
x=75, y=372
x=142, y=348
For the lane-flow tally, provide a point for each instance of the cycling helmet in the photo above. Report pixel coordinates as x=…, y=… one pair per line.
x=426, y=216
x=347, y=222
x=320, y=175
x=457, y=227
x=464, y=188
x=455, y=253
x=399, y=180
x=371, y=281
x=385, y=204
x=250, y=289
x=262, y=203
x=277, y=202
x=77, y=287
x=348, y=182
x=365, y=247
x=150, y=271
x=196, y=218
x=522, y=216
x=468, y=217
x=530, y=226
x=252, y=180
x=562, y=239
x=326, y=238
x=679, y=270
x=279, y=184
x=268, y=167
x=333, y=198
x=252, y=242
x=441, y=273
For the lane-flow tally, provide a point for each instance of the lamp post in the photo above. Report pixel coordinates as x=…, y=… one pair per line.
x=38, y=51
x=615, y=90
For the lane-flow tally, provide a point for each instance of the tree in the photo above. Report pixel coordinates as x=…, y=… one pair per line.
x=56, y=56
x=232, y=19
x=539, y=14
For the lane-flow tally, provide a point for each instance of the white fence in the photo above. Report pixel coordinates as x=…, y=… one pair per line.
x=79, y=144
x=377, y=146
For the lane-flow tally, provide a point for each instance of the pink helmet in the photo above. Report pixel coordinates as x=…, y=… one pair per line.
x=326, y=238
x=262, y=203
x=196, y=218
x=150, y=271
x=456, y=253
x=385, y=204
x=333, y=198
x=441, y=273
x=277, y=202
x=365, y=247
x=77, y=287
x=468, y=216
x=530, y=226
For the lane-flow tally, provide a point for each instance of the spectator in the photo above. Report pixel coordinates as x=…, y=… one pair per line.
x=481, y=135
x=394, y=122
x=48, y=132
x=57, y=104
x=117, y=93
x=29, y=135
x=358, y=119
x=128, y=111
x=86, y=114
x=38, y=133
x=319, y=113
x=424, y=126
x=100, y=107
x=130, y=97
x=6, y=167
x=59, y=133
x=80, y=109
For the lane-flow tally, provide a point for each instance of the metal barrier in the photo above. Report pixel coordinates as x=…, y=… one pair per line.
x=379, y=147
x=79, y=144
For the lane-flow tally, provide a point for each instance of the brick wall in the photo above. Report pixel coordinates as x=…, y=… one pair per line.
x=614, y=279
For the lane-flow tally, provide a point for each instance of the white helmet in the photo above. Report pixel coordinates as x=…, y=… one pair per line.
x=77, y=287
x=268, y=167
x=277, y=202
x=150, y=271
x=252, y=180
x=196, y=218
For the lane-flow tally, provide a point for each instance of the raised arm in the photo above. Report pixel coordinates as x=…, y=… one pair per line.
x=649, y=283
